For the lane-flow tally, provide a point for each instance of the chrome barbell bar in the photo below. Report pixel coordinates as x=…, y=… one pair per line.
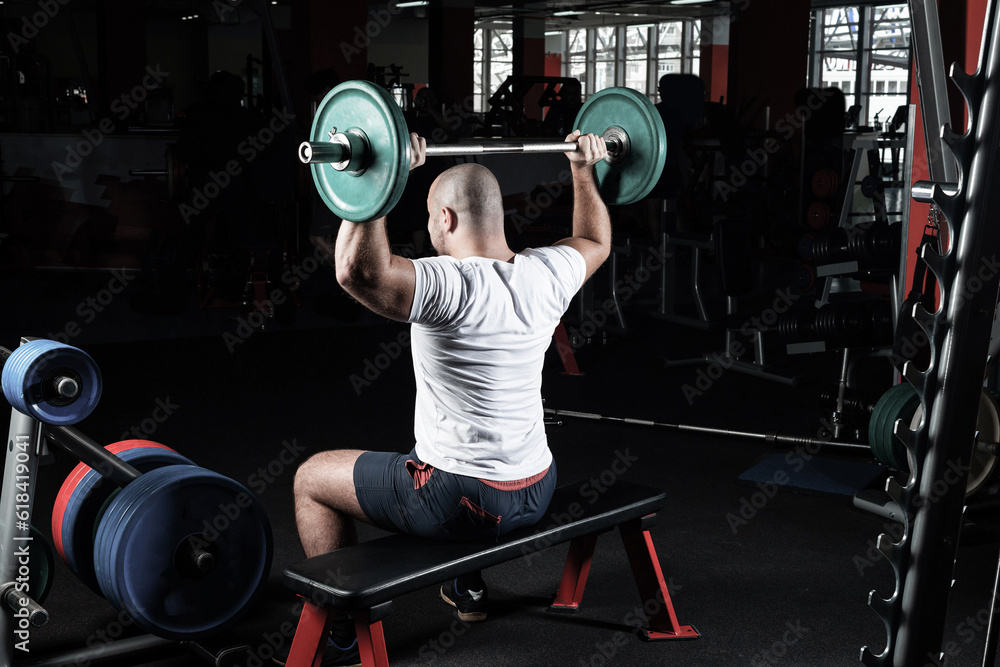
x=340, y=151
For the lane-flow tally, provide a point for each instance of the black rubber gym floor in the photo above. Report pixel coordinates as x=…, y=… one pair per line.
x=787, y=585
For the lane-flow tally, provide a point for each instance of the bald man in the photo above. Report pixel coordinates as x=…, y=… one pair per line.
x=482, y=318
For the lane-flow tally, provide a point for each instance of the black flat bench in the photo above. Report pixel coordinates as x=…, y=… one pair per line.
x=363, y=579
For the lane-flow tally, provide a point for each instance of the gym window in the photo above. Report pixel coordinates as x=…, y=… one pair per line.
x=864, y=51
x=605, y=58
x=494, y=58
x=575, y=61
x=635, y=56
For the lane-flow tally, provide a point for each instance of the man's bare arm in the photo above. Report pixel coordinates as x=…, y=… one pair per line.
x=366, y=267
x=591, y=221
x=368, y=271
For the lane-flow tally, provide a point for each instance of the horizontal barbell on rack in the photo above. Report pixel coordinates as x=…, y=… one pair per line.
x=898, y=403
x=772, y=437
x=359, y=148
x=183, y=550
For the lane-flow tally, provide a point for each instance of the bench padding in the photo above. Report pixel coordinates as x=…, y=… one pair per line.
x=370, y=573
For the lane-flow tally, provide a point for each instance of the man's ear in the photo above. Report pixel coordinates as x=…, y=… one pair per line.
x=450, y=218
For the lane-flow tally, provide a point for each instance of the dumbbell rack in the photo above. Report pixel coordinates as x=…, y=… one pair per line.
x=867, y=149
x=27, y=448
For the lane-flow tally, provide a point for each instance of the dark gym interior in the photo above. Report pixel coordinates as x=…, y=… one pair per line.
x=742, y=350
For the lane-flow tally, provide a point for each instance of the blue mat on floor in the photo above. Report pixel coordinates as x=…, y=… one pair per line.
x=825, y=477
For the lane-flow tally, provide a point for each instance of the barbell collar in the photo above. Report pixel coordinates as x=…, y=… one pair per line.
x=618, y=144
x=321, y=152
x=923, y=191
x=194, y=558
x=346, y=151
x=37, y=615
x=986, y=447
x=67, y=387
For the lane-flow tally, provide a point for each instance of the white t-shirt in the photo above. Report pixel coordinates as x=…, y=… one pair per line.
x=480, y=331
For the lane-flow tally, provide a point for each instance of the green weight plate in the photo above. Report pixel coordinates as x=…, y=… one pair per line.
x=899, y=402
x=374, y=192
x=902, y=404
x=42, y=565
x=631, y=179
x=884, y=436
x=875, y=428
x=907, y=406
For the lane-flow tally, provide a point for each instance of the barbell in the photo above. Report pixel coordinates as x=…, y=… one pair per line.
x=359, y=148
x=84, y=497
x=183, y=550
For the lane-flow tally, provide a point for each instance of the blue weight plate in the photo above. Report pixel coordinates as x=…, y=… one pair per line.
x=87, y=499
x=140, y=539
x=108, y=529
x=26, y=381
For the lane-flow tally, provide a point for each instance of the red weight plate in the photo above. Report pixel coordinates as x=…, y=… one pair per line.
x=82, y=499
x=73, y=479
x=824, y=182
x=818, y=215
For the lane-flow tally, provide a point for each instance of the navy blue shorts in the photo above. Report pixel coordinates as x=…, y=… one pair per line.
x=398, y=492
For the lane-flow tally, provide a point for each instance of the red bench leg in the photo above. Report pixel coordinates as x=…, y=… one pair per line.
x=309, y=641
x=657, y=606
x=371, y=641
x=581, y=553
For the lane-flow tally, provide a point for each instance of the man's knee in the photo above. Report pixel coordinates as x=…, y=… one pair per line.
x=318, y=472
x=310, y=472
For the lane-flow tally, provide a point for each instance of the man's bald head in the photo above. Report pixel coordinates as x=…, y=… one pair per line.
x=472, y=192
